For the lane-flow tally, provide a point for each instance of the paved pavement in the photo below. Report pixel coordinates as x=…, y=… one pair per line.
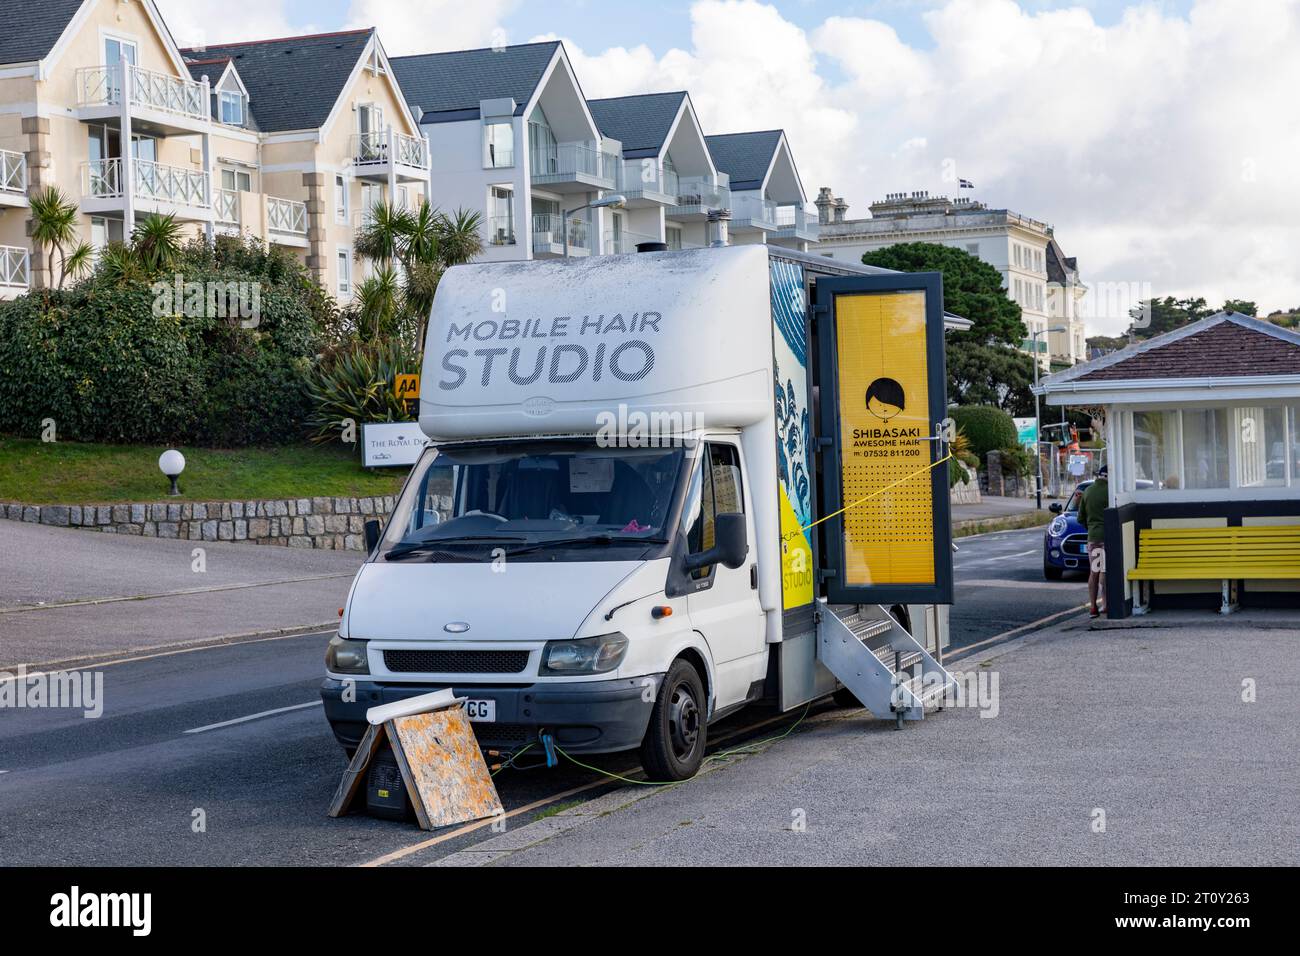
x=67, y=594
x=993, y=506
x=1109, y=747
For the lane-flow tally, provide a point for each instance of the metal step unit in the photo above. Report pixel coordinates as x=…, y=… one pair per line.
x=875, y=657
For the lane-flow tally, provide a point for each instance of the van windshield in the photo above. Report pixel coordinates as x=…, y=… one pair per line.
x=571, y=500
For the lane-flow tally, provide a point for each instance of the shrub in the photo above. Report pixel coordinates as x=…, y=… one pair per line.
x=355, y=383
x=98, y=361
x=1016, y=461
x=985, y=427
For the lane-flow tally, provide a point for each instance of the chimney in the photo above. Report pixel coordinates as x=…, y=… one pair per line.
x=718, y=222
x=825, y=203
x=841, y=208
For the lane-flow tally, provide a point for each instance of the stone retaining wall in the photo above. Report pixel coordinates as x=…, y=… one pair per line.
x=331, y=523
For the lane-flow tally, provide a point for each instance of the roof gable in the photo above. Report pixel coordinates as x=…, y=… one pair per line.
x=443, y=86
x=745, y=157
x=641, y=123
x=293, y=83
x=1224, y=345
x=33, y=27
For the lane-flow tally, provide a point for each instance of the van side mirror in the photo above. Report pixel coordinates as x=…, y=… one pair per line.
x=372, y=535
x=730, y=544
x=1056, y=507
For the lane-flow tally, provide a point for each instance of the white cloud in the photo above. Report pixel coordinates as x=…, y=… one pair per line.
x=199, y=22
x=432, y=26
x=1160, y=147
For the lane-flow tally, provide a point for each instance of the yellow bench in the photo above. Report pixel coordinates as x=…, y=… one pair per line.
x=1228, y=555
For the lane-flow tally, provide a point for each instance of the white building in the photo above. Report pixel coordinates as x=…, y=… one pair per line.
x=668, y=176
x=511, y=136
x=1017, y=246
x=768, y=203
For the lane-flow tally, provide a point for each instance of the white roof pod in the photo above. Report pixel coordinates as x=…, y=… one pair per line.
x=530, y=348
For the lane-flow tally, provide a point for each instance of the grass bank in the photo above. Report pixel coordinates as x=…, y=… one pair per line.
x=38, y=472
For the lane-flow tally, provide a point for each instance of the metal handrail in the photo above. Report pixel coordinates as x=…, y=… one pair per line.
x=13, y=172
x=15, y=266
x=103, y=86
x=286, y=215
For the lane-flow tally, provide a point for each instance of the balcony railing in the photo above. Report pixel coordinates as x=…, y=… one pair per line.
x=286, y=216
x=567, y=160
x=15, y=267
x=626, y=241
x=156, y=181
x=373, y=148
x=748, y=210
x=549, y=227
x=13, y=172
x=697, y=194
x=103, y=86
x=227, y=207
x=798, y=220
x=647, y=176
x=501, y=231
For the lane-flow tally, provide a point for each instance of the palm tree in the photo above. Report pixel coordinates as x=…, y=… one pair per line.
x=424, y=243
x=54, y=230
x=157, y=242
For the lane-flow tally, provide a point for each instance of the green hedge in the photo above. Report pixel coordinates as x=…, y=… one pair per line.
x=98, y=361
x=986, y=428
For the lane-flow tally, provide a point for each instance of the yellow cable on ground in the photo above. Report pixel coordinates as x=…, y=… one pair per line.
x=877, y=492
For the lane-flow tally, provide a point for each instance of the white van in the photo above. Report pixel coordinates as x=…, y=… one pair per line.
x=612, y=541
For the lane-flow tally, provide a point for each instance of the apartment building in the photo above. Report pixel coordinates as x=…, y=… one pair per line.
x=768, y=203
x=275, y=139
x=311, y=133
x=1015, y=245
x=668, y=177
x=512, y=136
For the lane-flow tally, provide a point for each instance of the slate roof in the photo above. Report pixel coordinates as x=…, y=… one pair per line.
x=1223, y=345
x=745, y=157
x=443, y=87
x=32, y=27
x=294, y=82
x=641, y=123
x=1058, y=264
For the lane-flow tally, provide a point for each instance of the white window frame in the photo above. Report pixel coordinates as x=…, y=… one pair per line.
x=342, y=198
x=489, y=159
x=343, y=263
x=230, y=96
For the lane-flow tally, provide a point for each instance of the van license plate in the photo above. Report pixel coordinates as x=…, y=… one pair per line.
x=481, y=711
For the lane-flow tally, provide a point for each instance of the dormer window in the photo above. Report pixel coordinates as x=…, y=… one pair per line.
x=231, y=107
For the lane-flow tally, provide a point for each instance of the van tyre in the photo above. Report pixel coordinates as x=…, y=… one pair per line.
x=673, y=748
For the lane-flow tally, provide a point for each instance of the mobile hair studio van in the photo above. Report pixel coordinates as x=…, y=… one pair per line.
x=661, y=487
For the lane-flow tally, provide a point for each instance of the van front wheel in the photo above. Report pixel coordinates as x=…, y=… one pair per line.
x=673, y=748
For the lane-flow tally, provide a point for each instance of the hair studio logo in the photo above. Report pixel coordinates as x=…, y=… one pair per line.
x=885, y=398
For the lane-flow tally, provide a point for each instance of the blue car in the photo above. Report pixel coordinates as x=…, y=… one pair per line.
x=1065, y=542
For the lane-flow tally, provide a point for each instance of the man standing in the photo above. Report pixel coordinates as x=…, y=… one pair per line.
x=1092, y=511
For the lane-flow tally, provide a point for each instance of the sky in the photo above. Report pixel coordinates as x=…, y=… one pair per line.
x=1160, y=139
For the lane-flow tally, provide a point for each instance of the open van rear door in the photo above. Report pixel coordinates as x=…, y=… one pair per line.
x=882, y=420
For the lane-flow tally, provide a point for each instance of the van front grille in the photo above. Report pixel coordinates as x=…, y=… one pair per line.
x=455, y=662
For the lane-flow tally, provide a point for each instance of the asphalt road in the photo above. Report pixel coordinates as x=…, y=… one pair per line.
x=131, y=786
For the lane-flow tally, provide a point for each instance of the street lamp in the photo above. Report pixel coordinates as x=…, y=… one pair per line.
x=1038, y=431
x=616, y=201
x=171, y=463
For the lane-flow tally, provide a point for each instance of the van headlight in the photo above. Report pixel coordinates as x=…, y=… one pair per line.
x=346, y=657
x=1057, y=527
x=587, y=655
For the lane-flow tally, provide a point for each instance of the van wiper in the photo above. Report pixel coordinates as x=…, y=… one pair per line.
x=601, y=539
x=416, y=547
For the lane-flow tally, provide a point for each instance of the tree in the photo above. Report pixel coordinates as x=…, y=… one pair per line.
x=421, y=245
x=992, y=374
x=54, y=230
x=157, y=242
x=985, y=363
x=1244, y=306
x=971, y=288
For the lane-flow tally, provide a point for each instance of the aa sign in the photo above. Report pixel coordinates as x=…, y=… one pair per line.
x=885, y=482
x=406, y=388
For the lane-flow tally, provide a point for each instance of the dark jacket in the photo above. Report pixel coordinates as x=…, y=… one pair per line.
x=1092, y=510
